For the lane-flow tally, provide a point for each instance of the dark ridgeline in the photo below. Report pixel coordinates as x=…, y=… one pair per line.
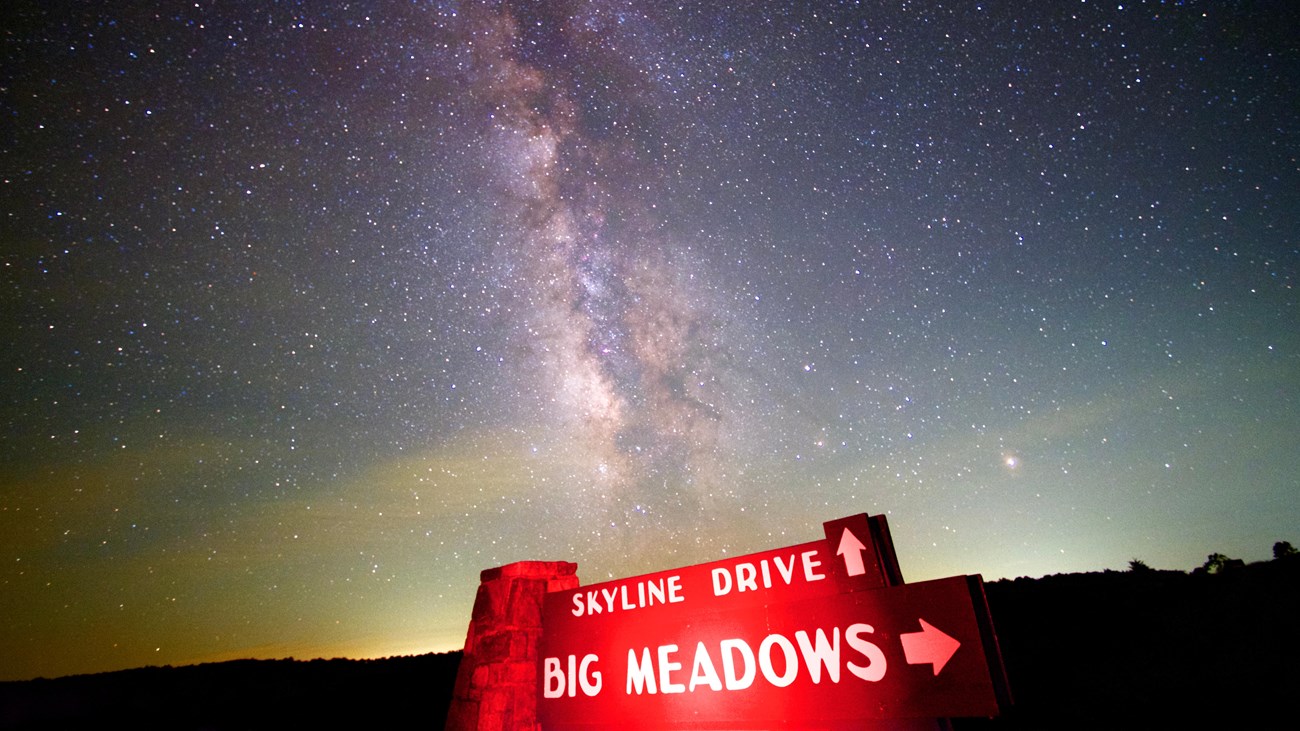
x=396, y=692
x=1152, y=649
x=1132, y=649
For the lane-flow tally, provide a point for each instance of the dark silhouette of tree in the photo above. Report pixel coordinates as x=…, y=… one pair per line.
x=1138, y=566
x=1216, y=563
x=1283, y=549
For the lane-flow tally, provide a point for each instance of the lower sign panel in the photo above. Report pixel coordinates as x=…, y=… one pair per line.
x=916, y=650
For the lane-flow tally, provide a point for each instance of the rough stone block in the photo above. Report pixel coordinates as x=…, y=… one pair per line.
x=496, y=687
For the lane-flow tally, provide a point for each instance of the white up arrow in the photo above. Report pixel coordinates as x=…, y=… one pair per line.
x=851, y=549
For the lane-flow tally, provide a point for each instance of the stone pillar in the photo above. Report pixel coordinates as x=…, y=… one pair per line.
x=496, y=686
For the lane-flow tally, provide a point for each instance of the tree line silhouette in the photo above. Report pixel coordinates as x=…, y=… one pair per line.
x=1142, y=648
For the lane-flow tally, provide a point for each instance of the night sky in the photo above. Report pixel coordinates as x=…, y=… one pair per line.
x=315, y=310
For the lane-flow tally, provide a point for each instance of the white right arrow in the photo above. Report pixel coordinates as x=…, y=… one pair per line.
x=928, y=646
x=851, y=549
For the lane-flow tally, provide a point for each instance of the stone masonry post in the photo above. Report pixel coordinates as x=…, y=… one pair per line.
x=496, y=686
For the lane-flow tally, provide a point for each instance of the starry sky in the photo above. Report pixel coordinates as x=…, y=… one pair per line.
x=315, y=310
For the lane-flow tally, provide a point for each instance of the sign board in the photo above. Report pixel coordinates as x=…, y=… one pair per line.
x=801, y=635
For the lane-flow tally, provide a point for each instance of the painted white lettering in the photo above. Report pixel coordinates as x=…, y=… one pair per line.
x=787, y=572
x=658, y=669
x=767, y=574
x=588, y=678
x=823, y=653
x=675, y=589
x=745, y=573
x=721, y=581
x=765, y=660
x=809, y=564
x=746, y=678
x=614, y=597
x=556, y=682
x=874, y=670
x=654, y=589
x=552, y=678
x=667, y=666
x=702, y=671
x=640, y=675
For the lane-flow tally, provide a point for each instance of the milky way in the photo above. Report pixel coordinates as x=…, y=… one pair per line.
x=316, y=311
x=609, y=327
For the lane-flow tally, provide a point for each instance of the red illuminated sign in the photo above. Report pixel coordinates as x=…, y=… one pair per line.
x=809, y=634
